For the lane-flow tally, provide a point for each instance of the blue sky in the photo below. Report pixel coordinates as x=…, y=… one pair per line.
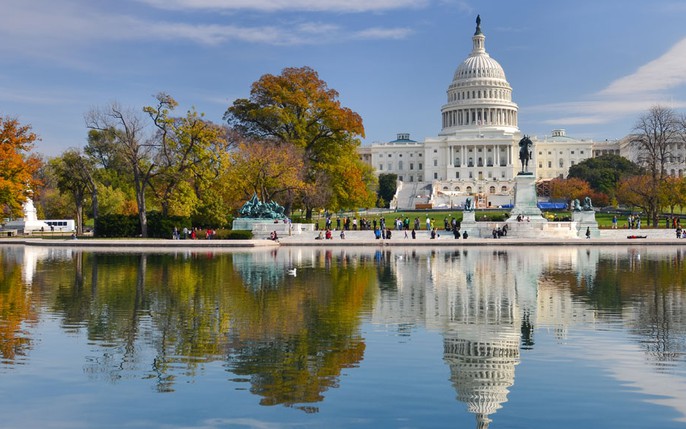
x=589, y=66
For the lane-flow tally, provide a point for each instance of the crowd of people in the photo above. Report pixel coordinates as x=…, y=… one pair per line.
x=193, y=233
x=383, y=231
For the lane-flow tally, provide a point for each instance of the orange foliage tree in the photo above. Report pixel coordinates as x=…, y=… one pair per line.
x=570, y=189
x=17, y=165
x=298, y=108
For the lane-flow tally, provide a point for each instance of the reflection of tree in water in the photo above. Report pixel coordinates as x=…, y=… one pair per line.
x=294, y=342
x=649, y=293
x=17, y=312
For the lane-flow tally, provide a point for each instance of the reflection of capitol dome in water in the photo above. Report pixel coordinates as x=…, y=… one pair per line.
x=482, y=339
x=482, y=372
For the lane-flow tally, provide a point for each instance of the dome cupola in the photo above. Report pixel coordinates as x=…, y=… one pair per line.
x=479, y=95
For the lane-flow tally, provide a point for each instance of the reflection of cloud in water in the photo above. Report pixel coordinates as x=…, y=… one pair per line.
x=626, y=363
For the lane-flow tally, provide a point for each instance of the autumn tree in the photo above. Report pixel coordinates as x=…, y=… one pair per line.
x=126, y=129
x=638, y=191
x=265, y=168
x=190, y=151
x=654, y=135
x=298, y=108
x=673, y=192
x=17, y=165
x=569, y=189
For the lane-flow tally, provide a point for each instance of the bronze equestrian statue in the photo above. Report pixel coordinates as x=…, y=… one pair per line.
x=525, y=153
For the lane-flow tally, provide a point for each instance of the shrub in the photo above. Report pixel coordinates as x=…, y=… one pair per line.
x=162, y=227
x=117, y=225
x=227, y=234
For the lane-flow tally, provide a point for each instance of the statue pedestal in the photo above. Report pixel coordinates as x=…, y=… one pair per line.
x=469, y=225
x=585, y=219
x=526, y=201
x=263, y=227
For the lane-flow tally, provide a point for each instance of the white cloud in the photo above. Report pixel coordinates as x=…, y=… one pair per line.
x=666, y=72
x=383, y=33
x=288, y=5
x=652, y=84
x=58, y=30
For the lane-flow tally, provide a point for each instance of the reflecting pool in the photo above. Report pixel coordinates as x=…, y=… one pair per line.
x=500, y=337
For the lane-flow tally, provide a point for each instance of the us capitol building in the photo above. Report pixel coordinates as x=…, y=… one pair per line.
x=476, y=152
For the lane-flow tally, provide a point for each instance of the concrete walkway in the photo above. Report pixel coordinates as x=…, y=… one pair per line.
x=366, y=238
x=617, y=237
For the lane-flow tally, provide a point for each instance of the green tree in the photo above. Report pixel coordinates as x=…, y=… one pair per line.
x=603, y=173
x=388, y=184
x=74, y=175
x=299, y=108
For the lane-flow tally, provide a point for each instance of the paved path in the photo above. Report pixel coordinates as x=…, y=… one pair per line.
x=365, y=238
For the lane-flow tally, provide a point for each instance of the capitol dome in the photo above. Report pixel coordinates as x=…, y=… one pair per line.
x=479, y=95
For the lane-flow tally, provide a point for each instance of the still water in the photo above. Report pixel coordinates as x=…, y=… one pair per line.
x=358, y=338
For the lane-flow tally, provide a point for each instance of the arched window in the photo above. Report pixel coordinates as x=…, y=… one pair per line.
x=491, y=190
x=469, y=189
x=562, y=163
x=503, y=189
x=457, y=188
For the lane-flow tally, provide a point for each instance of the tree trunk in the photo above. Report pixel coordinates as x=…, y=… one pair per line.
x=308, y=213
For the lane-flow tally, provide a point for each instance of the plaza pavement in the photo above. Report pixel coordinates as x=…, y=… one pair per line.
x=608, y=237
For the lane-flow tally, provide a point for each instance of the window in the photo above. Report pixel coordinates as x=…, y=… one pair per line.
x=380, y=167
x=581, y=152
x=503, y=189
x=572, y=152
x=435, y=175
x=470, y=175
x=457, y=174
x=572, y=162
x=550, y=164
x=540, y=165
x=435, y=150
x=562, y=163
x=457, y=188
x=400, y=178
x=389, y=155
x=435, y=163
x=491, y=190
x=469, y=189
x=412, y=166
x=411, y=178
x=419, y=167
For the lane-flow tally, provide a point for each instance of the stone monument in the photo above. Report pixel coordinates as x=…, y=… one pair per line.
x=262, y=218
x=526, y=202
x=584, y=216
x=30, y=221
x=468, y=223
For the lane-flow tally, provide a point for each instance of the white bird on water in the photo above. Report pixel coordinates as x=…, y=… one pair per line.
x=291, y=272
